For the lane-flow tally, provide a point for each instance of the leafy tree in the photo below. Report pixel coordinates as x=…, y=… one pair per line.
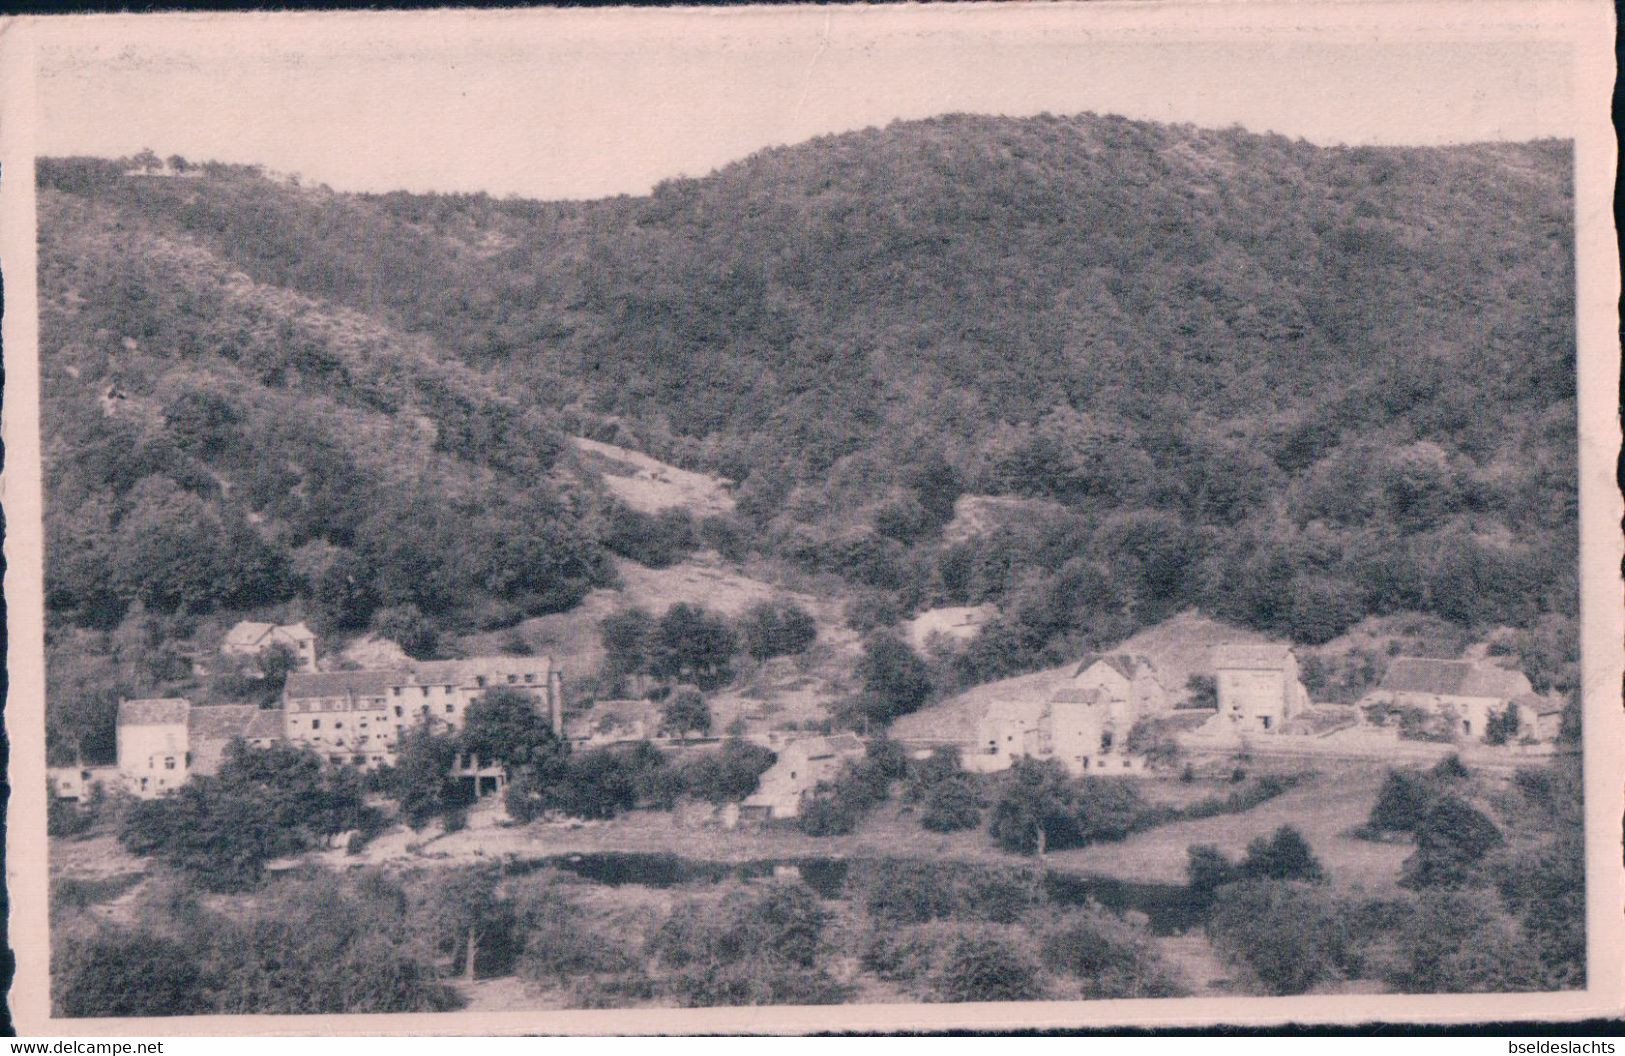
x=1284, y=855
x=952, y=804
x=989, y=967
x=1036, y=808
x=1503, y=725
x=627, y=635
x=1291, y=936
x=124, y=973
x=462, y=911
x=896, y=681
x=1206, y=870
x=506, y=726
x=1401, y=803
x=263, y=804
x=1452, y=841
x=421, y=780
x=406, y=626
x=686, y=712
x=690, y=642
x=777, y=628
x=727, y=775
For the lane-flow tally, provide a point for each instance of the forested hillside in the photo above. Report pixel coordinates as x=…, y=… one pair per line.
x=1289, y=385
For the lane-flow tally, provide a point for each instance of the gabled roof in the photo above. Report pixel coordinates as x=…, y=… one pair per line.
x=1071, y=695
x=1126, y=664
x=303, y=684
x=248, y=632
x=252, y=632
x=1541, y=705
x=1453, y=678
x=1019, y=710
x=220, y=722
x=1261, y=656
x=467, y=671
x=823, y=747
x=153, y=711
x=267, y=722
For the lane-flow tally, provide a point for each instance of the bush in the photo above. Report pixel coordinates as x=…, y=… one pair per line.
x=1109, y=956
x=988, y=967
x=1285, y=855
x=1452, y=841
x=909, y=891
x=952, y=805
x=777, y=628
x=125, y=973
x=1290, y=936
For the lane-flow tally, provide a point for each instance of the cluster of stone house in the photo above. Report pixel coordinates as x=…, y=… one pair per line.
x=1084, y=722
x=353, y=718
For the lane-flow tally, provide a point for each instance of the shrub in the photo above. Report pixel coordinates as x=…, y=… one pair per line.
x=777, y=628
x=1285, y=855
x=901, y=955
x=1107, y=954
x=1400, y=805
x=1288, y=935
x=988, y=967
x=952, y=805
x=1452, y=841
x=125, y=973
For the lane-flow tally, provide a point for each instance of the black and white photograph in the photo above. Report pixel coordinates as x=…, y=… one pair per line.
x=993, y=515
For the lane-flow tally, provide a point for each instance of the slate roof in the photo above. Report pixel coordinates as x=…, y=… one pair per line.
x=834, y=744
x=153, y=711
x=1266, y=656
x=1453, y=678
x=302, y=684
x=1540, y=705
x=464, y=672
x=1126, y=664
x=265, y=723
x=1071, y=695
x=220, y=722
x=248, y=632
x=1019, y=710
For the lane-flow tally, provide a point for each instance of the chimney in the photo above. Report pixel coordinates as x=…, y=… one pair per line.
x=555, y=700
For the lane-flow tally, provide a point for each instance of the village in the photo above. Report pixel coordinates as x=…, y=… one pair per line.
x=1112, y=715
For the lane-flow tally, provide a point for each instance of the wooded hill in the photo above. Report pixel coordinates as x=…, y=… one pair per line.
x=1287, y=384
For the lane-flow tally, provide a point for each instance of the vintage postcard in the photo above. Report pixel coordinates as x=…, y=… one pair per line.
x=785, y=519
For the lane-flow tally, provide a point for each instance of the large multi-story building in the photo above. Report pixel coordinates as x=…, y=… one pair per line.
x=359, y=717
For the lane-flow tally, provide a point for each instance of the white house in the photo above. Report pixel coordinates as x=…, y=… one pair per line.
x=799, y=768
x=1259, y=686
x=1467, y=693
x=153, y=744
x=250, y=638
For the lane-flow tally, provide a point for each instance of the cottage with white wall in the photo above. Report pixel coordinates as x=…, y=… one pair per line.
x=153, y=744
x=1466, y=692
x=800, y=766
x=251, y=638
x=1259, y=686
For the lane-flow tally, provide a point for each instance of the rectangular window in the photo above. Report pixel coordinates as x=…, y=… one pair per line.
x=513, y=678
x=530, y=677
x=449, y=709
x=338, y=725
x=395, y=691
x=398, y=711
x=425, y=690
x=169, y=762
x=479, y=680
x=315, y=724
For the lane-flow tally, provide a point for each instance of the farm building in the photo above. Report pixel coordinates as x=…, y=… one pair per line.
x=1258, y=685
x=1465, y=692
x=153, y=744
x=78, y=783
x=800, y=766
x=250, y=638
